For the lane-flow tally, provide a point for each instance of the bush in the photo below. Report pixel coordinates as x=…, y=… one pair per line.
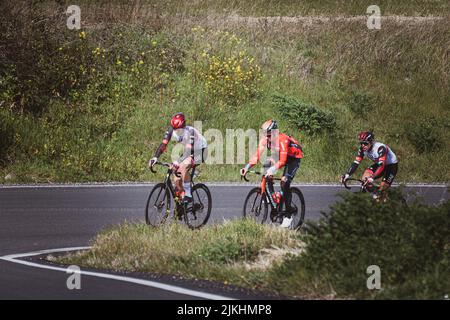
x=424, y=135
x=228, y=72
x=361, y=103
x=236, y=241
x=6, y=140
x=105, y=64
x=304, y=117
x=410, y=244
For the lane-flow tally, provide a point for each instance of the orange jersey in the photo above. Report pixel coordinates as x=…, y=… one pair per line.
x=284, y=145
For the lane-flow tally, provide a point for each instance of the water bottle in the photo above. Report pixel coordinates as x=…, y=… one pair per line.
x=276, y=197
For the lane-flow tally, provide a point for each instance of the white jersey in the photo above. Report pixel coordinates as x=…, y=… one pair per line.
x=187, y=134
x=379, y=150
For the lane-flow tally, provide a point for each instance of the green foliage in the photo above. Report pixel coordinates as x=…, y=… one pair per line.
x=409, y=243
x=361, y=103
x=92, y=100
x=71, y=104
x=99, y=66
x=6, y=140
x=216, y=251
x=304, y=117
x=227, y=71
x=237, y=241
x=424, y=135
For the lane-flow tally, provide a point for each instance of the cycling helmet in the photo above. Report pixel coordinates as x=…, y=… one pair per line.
x=178, y=121
x=365, y=136
x=268, y=126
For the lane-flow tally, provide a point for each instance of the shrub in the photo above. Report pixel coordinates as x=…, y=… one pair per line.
x=410, y=244
x=236, y=241
x=303, y=116
x=424, y=135
x=102, y=64
x=229, y=73
x=6, y=140
x=361, y=103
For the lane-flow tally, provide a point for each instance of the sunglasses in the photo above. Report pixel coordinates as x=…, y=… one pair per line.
x=365, y=143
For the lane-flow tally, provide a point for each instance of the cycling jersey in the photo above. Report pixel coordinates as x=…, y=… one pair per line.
x=378, y=153
x=284, y=145
x=188, y=136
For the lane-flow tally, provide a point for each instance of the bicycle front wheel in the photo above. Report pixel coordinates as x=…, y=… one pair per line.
x=255, y=206
x=197, y=213
x=298, y=203
x=158, y=205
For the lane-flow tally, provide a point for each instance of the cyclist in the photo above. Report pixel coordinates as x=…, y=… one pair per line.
x=386, y=164
x=194, y=153
x=289, y=152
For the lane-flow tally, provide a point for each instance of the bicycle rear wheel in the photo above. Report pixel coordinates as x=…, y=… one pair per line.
x=158, y=205
x=298, y=203
x=197, y=213
x=255, y=206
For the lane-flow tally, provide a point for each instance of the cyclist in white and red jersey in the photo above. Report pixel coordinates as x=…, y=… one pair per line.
x=195, y=152
x=385, y=163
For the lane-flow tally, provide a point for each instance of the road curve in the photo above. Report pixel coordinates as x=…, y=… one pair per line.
x=36, y=218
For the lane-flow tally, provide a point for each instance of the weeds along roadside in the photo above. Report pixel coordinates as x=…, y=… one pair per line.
x=89, y=111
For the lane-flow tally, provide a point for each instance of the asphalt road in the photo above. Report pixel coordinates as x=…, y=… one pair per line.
x=38, y=218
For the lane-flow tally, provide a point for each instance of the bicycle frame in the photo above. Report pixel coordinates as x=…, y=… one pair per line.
x=279, y=211
x=363, y=185
x=263, y=189
x=168, y=181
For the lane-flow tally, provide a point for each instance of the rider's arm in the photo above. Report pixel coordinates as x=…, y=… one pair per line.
x=382, y=153
x=356, y=163
x=255, y=158
x=163, y=146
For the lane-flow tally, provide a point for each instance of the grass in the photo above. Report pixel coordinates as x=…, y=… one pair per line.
x=106, y=127
x=326, y=259
x=204, y=8
x=229, y=252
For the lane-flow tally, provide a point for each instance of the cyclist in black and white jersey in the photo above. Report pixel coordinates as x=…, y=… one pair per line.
x=385, y=163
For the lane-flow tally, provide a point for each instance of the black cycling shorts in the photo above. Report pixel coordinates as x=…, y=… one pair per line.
x=389, y=172
x=200, y=155
x=291, y=167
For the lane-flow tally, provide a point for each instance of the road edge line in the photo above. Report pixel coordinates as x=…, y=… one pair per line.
x=15, y=258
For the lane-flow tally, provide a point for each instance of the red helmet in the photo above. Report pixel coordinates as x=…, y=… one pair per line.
x=178, y=121
x=365, y=136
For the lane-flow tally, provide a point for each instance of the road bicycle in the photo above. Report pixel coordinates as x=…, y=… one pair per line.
x=371, y=188
x=257, y=203
x=363, y=185
x=158, y=209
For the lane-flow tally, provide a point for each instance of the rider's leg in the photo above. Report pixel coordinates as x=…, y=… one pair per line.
x=368, y=173
x=183, y=183
x=290, y=170
x=388, y=177
x=199, y=157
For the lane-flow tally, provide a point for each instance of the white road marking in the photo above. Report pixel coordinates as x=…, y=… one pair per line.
x=15, y=258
